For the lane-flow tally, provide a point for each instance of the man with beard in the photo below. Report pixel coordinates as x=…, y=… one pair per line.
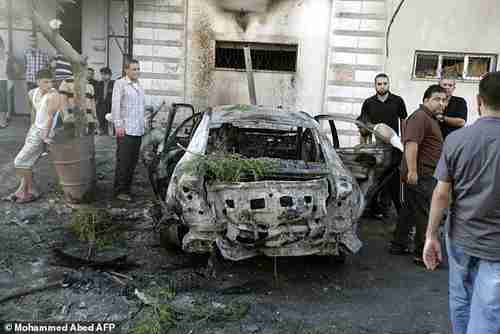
x=423, y=141
x=455, y=113
x=385, y=107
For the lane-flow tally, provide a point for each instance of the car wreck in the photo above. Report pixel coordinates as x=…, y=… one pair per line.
x=281, y=188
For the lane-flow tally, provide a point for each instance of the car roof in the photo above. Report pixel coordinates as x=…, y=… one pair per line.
x=247, y=115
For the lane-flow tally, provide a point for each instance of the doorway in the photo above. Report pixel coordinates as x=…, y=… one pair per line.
x=71, y=29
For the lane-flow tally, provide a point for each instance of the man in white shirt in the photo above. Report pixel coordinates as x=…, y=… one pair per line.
x=127, y=110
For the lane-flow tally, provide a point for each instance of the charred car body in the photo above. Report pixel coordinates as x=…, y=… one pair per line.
x=307, y=203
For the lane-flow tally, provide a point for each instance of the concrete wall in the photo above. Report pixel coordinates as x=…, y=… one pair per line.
x=446, y=25
x=159, y=45
x=288, y=21
x=21, y=31
x=94, y=33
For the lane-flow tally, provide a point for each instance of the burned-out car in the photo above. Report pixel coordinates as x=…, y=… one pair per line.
x=254, y=180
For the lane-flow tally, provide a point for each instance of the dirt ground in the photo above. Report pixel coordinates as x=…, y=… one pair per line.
x=373, y=292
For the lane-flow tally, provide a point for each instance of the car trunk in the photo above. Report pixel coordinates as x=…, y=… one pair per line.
x=272, y=212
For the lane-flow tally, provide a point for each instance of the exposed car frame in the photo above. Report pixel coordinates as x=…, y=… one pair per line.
x=310, y=205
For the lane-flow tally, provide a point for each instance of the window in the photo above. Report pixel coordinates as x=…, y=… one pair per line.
x=463, y=66
x=265, y=57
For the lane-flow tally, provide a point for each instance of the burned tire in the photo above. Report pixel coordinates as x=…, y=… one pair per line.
x=171, y=236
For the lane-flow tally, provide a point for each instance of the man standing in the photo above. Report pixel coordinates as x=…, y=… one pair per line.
x=35, y=60
x=423, y=142
x=455, y=113
x=468, y=169
x=104, y=94
x=127, y=109
x=91, y=77
x=46, y=102
x=385, y=107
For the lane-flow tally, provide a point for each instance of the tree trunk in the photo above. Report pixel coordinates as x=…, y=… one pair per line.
x=75, y=157
x=79, y=64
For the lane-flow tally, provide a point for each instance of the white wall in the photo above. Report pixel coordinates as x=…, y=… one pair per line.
x=94, y=33
x=288, y=21
x=445, y=25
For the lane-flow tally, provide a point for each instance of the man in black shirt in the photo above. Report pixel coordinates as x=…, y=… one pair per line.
x=385, y=107
x=455, y=114
x=104, y=94
x=91, y=77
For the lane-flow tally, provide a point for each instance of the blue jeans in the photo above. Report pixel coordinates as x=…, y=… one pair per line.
x=474, y=292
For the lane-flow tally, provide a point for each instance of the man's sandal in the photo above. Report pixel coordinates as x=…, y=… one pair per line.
x=13, y=198
x=28, y=199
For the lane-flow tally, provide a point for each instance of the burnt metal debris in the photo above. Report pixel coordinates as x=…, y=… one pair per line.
x=309, y=204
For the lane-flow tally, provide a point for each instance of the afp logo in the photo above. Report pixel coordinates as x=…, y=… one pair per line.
x=105, y=327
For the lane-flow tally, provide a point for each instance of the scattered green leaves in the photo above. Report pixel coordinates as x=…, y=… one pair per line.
x=226, y=167
x=94, y=225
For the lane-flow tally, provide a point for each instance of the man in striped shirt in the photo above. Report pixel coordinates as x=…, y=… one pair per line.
x=35, y=60
x=127, y=108
x=62, y=69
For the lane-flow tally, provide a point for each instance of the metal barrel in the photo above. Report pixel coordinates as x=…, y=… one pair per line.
x=74, y=161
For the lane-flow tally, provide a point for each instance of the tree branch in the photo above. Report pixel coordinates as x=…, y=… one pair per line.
x=56, y=40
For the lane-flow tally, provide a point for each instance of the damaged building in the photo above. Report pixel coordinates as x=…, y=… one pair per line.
x=319, y=56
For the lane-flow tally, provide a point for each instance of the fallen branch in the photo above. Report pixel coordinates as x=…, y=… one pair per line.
x=121, y=275
x=27, y=291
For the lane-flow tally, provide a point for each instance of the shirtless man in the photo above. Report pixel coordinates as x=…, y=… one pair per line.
x=46, y=102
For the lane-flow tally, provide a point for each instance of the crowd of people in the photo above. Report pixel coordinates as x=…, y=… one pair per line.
x=51, y=98
x=448, y=170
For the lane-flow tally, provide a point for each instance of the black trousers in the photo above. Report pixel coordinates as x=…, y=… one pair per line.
x=392, y=189
x=390, y=192
x=102, y=110
x=415, y=212
x=127, y=155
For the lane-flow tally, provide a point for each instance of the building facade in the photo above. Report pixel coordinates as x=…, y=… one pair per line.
x=319, y=56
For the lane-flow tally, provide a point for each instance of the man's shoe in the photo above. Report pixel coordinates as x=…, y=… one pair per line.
x=124, y=197
x=396, y=249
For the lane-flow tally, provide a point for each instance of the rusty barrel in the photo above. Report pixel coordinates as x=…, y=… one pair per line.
x=74, y=161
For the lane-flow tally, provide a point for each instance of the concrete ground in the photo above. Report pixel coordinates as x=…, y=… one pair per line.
x=373, y=292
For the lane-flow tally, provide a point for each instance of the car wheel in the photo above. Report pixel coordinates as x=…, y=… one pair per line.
x=171, y=236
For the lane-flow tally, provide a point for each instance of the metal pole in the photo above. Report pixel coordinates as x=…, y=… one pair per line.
x=130, y=28
x=251, y=81
x=108, y=11
x=10, y=98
